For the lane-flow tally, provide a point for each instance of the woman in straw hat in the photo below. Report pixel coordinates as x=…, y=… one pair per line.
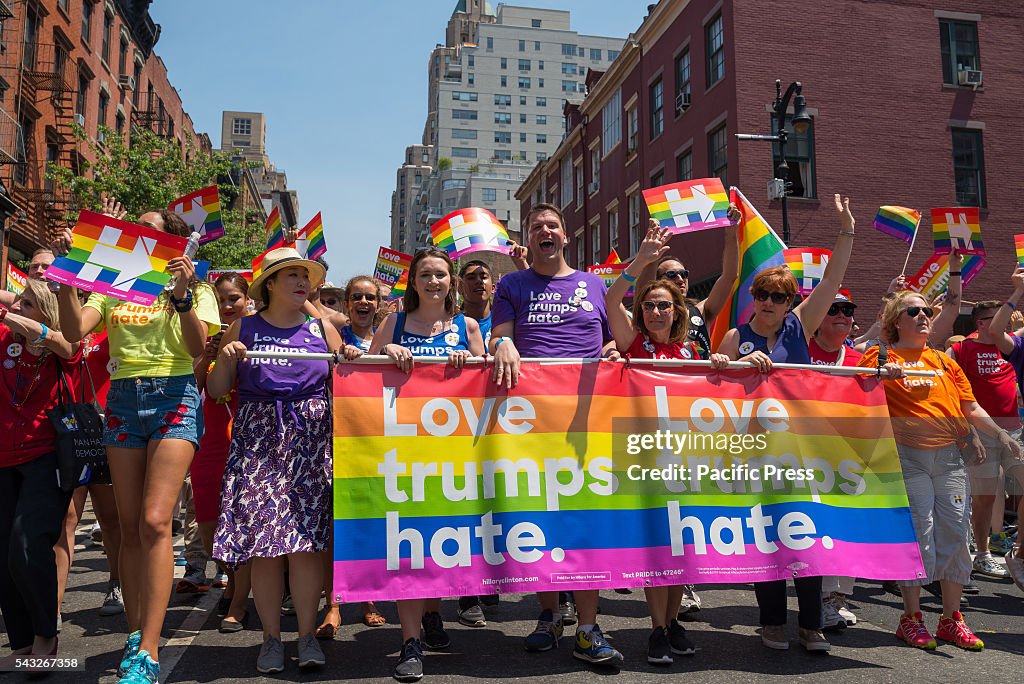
x=276, y=497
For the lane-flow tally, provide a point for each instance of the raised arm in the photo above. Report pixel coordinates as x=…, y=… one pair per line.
x=942, y=326
x=811, y=311
x=33, y=330
x=653, y=247
x=518, y=254
x=722, y=288
x=76, y=321
x=997, y=327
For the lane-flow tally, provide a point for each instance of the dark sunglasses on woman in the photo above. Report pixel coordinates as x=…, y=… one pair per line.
x=359, y=296
x=776, y=297
x=845, y=308
x=913, y=311
x=662, y=305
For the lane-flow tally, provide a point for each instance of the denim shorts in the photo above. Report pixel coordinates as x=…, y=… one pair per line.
x=143, y=409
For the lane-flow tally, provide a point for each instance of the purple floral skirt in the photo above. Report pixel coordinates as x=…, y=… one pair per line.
x=276, y=494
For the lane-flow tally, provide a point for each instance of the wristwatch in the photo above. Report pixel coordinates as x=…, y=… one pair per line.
x=182, y=305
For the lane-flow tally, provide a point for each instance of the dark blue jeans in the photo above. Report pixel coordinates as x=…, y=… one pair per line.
x=771, y=599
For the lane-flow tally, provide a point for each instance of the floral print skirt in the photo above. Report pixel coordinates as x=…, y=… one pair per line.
x=276, y=493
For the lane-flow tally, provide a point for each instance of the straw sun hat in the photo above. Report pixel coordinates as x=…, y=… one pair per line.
x=287, y=257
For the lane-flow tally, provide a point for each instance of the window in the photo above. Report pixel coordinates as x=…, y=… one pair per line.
x=470, y=79
x=464, y=134
x=463, y=96
x=504, y=63
x=138, y=84
x=241, y=127
x=522, y=137
x=959, y=41
x=657, y=99
x=580, y=251
x=684, y=166
x=522, y=117
x=799, y=158
x=595, y=54
x=718, y=154
x=613, y=55
x=419, y=176
x=503, y=155
x=470, y=61
x=578, y=170
x=453, y=184
x=104, y=106
x=502, y=118
x=542, y=156
x=611, y=123
x=566, y=180
x=504, y=81
x=582, y=51
x=83, y=95
x=465, y=114
x=568, y=86
x=122, y=57
x=464, y=152
x=490, y=44
x=635, y=236
x=542, y=139
x=535, y=23
x=968, y=167
x=658, y=179
x=569, y=69
x=568, y=50
x=536, y=48
x=87, y=9
x=542, y=120
x=524, y=65
x=522, y=46
x=714, y=44
x=524, y=82
x=595, y=243
x=503, y=100
x=632, y=130
x=490, y=195
x=540, y=65
x=63, y=4
x=119, y=123
x=613, y=230
x=595, y=171
x=522, y=100
x=540, y=82
x=542, y=102
x=502, y=137
x=683, y=74
x=108, y=27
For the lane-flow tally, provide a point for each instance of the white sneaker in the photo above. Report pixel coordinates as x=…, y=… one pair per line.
x=96, y=534
x=838, y=602
x=1015, y=566
x=113, y=602
x=690, y=602
x=833, y=620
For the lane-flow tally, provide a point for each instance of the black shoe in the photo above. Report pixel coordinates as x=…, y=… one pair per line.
x=230, y=626
x=935, y=589
x=677, y=639
x=567, y=608
x=971, y=587
x=434, y=636
x=470, y=612
x=490, y=600
x=891, y=587
x=658, y=650
x=176, y=527
x=624, y=592
x=410, y=664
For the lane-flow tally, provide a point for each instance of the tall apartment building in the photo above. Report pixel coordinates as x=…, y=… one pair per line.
x=408, y=180
x=495, y=97
x=697, y=72
x=243, y=135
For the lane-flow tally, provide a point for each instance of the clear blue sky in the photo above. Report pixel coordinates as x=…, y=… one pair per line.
x=343, y=85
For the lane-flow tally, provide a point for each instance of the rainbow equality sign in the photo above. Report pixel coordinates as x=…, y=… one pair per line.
x=598, y=476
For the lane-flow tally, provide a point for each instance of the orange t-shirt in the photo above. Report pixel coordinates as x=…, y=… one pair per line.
x=925, y=412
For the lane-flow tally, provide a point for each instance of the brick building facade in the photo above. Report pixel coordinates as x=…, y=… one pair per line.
x=891, y=125
x=63, y=62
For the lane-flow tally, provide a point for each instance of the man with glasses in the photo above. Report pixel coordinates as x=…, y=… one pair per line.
x=331, y=296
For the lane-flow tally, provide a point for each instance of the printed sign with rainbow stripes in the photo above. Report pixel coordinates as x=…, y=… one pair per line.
x=1018, y=244
x=690, y=205
x=807, y=265
x=465, y=231
x=932, y=279
x=957, y=228
x=201, y=211
x=118, y=259
x=17, y=280
x=453, y=487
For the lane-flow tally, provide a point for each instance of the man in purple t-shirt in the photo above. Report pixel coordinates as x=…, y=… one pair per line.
x=552, y=310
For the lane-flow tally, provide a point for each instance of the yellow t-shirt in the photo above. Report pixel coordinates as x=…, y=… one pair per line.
x=146, y=341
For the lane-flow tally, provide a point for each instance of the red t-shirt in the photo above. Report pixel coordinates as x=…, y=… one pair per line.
x=643, y=348
x=820, y=357
x=97, y=359
x=28, y=387
x=992, y=378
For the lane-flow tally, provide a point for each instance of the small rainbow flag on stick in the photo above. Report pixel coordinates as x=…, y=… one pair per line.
x=275, y=232
x=613, y=258
x=690, y=205
x=311, y=243
x=899, y=222
x=957, y=228
x=1018, y=243
x=118, y=259
x=932, y=279
x=201, y=211
x=465, y=231
x=808, y=266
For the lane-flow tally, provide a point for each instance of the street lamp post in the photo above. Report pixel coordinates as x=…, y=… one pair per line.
x=801, y=122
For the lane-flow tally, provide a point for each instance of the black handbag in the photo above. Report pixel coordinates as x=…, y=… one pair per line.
x=81, y=457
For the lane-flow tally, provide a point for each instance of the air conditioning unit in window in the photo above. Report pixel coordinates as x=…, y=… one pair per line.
x=101, y=137
x=126, y=82
x=682, y=102
x=969, y=77
x=80, y=120
x=593, y=187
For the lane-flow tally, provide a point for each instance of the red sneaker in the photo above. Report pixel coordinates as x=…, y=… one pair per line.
x=912, y=630
x=955, y=630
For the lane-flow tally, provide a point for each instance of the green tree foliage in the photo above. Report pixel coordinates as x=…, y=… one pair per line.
x=148, y=173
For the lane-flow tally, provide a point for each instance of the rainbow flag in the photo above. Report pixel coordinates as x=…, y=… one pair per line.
x=257, y=264
x=311, y=243
x=118, y=259
x=201, y=211
x=398, y=289
x=1018, y=243
x=465, y=231
x=17, y=280
x=274, y=230
x=450, y=488
x=760, y=248
x=932, y=279
x=690, y=205
x=898, y=221
x=613, y=258
x=957, y=228
x=808, y=266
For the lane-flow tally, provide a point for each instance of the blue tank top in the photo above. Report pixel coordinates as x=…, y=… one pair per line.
x=441, y=344
x=790, y=345
x=349, y=337
x=485, y=329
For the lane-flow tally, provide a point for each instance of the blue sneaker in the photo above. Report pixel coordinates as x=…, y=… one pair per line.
x=131, y=649
x=144, y=670
x=545, y=637
x=179, y=560
x=594, y=649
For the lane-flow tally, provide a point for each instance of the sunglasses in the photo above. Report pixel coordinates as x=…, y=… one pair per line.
x=662, y=305
x=913, y=311
x=682, y=274
x=359, y=296
x=330, y=302
x=845, y=308
x=776, y=297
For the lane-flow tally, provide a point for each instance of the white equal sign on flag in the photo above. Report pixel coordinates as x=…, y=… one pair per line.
x=814, y=269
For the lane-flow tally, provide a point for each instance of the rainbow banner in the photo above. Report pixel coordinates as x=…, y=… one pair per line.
x=932, y=279
x=212, y=276
x=118, y=259
x=957, y=228
x=609, y=273
x=274, y=230
x=808, y=266
x=17, y=280
x=311, y=243
x=899, y=222
x=1018, y=243
x=391, y=265
x=760, y=248
x=690, y=205
x=450, y=486
x=465, y=231
x=201, y=211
